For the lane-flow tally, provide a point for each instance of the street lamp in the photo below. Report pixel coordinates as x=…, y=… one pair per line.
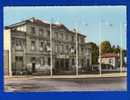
x=76, y=33
x=120, y=48
x=121, y=51
x=100, y=66
x=51, y=56
x=100, y=36
x=86, y=53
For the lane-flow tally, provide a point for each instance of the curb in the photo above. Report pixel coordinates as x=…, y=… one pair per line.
x=67, y=77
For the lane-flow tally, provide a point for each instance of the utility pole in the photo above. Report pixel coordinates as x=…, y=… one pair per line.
x=10, y=56
x=76, y=31
x=51, y=51
x=100, y=61
x=121, y=56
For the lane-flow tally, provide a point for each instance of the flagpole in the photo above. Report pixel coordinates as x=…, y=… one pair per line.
x=121, y=63
x=10, y=55
x=100, y=68
x=76, y=53
x=51, y=68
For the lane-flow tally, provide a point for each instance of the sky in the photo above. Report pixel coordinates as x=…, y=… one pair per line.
x=98, y=23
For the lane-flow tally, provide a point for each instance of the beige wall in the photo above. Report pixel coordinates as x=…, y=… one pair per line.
x=7, y=47
x=6, y=62
x=106, y=61
x=7, y=39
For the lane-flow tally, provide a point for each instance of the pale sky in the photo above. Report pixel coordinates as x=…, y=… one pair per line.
x=109, y=21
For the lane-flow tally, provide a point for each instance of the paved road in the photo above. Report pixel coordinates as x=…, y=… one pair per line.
x=91, y=84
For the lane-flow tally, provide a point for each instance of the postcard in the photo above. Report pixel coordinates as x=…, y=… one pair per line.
x=65, y=48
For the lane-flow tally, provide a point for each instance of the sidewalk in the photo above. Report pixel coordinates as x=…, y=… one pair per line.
x=108, y=75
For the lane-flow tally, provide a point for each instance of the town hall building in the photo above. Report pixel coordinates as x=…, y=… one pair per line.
x=27, y=48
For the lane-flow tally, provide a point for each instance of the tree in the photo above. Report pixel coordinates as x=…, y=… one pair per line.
x=95, y=52
x=124, y=54
x=113, y=46
x=105, y=47
x=115, y=49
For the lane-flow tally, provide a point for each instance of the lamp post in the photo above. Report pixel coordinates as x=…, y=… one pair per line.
x=121, y=46
x=76, y=54
x=76, y=32
x=10, y=55
x=86, y=53
x=51, y=52
x=100, y=52
x=100, y=61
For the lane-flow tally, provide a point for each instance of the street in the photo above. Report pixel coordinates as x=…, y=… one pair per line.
x=73, y=84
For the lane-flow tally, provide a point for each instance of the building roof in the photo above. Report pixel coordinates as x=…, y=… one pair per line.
x=109, y=55
x=40, y=22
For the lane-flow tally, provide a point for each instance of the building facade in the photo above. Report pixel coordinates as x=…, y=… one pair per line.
x=111, y=59
x=31, y=47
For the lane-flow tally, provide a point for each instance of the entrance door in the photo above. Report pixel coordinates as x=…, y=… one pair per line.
x=19, y=63
x=62, y=64
x=33, y=67
x=67, y=64
x=88, y=64
x=57, y=65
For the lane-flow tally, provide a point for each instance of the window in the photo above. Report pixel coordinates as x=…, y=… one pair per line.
x=82, y=49
x=40, y=32
x=33, y=59
x=88, y=62
x=73, y=62
x=63, y=48
x=110, y=61
x=42, y=61
x=87, y=51
x=22, y=28
x=18, y=58
x=41, y=46
x=82, y=62
x=18, y=44
x=48, y=33
x=56, y=35
x=49, y=61
x=78, y=38
x=60, y=48
x=33, y=30
x=66, y=37
x=82, y=40
x=33, y=45
x=67, y=48
x=56, y=48
x=18, y=63
x=61, y=35
x=72, y=38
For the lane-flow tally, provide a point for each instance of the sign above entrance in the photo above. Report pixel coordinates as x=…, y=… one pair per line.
x=63, y=56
